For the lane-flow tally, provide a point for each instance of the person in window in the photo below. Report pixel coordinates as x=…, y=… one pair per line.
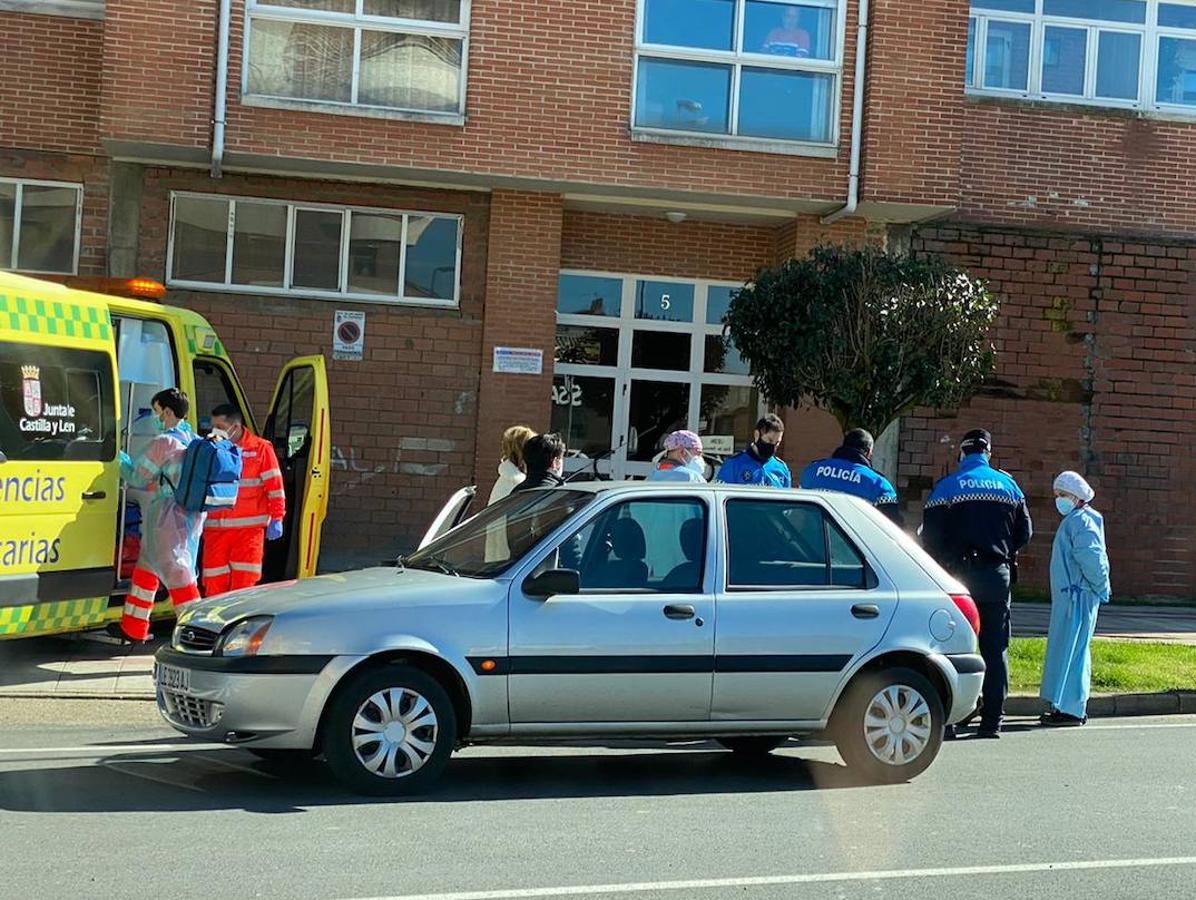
x=682, y=460
x=1079, y=585
x=169, y=534
x=512, y=469
x=235, y=539
x=787, y=39
x=758, y=463
x=544, y=456
x=849, y=471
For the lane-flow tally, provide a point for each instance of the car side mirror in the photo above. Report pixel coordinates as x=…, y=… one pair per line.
x=553, y=582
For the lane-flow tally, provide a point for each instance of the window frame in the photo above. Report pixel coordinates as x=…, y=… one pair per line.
x=1149, y=32
x=737, y=59
x=871, y=581
x=18, y=204
x=288, y=270
x=358, y=21
x=554, y=546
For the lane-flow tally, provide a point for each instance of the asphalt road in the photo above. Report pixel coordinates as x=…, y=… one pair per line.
x=98, y=800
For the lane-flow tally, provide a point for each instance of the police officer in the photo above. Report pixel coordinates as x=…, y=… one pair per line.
x=974, y=524
x=849, y=471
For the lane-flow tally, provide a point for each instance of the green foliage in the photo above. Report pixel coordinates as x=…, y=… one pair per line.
x=865, y=334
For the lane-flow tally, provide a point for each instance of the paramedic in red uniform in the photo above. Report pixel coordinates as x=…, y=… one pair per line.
x=234, y=540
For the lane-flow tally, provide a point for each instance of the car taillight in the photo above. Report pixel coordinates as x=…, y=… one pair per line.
x=967, y=606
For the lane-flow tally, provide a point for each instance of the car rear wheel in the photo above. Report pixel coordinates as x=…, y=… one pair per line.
x=390, y=731
x=752, y=746
x=888, y=725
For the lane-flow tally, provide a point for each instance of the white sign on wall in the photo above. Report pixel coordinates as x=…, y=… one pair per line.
x=348, y=335
x=518, y=360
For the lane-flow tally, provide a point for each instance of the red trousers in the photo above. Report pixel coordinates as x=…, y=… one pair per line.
x=139, y=602
x=232, y=559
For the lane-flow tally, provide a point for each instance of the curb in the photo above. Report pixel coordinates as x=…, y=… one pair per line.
x=1169, y=703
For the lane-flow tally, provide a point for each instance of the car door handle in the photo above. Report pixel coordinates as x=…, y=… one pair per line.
x=679, y=611
x=866, y=611
x=94, y=495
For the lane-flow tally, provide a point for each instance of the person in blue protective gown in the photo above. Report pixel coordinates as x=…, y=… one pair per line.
x=169, y=534
x=1079, y=585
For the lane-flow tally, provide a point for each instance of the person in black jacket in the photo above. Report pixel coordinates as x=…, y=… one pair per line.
x=974, y=524
x=544, y=456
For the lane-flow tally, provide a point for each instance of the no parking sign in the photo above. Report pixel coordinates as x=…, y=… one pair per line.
x=348, y=335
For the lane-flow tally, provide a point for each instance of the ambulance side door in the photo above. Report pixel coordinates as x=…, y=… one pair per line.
x=300, y=428
x=59, y=470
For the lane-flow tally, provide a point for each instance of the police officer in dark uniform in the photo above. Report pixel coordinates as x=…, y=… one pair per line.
x=974, y=524
x=849, y=471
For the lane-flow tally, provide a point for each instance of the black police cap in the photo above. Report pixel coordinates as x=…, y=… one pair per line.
x=977, y=441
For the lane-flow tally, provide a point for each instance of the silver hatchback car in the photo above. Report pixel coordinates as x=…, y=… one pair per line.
x=669, y=611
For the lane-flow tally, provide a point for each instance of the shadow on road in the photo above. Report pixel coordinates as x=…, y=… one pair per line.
x=156, y=781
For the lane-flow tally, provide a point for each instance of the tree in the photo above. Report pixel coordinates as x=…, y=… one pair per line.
x=865, y=334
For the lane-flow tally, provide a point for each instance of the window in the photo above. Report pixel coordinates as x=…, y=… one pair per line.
x=1137, y=54
x=775, y=544
x=637, y=358
x=612, y=552
x=213, y=387
x=39, y=226
x=750, y=69
x=402, y=55
x=275, y=247
x=522, y=520
x=56, y=404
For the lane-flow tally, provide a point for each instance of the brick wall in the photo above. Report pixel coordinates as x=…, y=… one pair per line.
x=1097, y=343
x=89, y=171
x=50, y=91
x=914, y=119
x=1061, y=167
x=404, y=418
x=159, y=71
x=524, y=259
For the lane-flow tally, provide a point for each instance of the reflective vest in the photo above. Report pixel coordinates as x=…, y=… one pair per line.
x=260, y=496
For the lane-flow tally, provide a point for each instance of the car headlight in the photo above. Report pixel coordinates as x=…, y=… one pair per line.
x=244, y=638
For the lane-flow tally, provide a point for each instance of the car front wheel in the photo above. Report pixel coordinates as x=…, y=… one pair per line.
x=888, y=725
x=390, y=731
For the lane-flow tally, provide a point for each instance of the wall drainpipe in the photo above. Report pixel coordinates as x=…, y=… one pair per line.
x=222, y=88
x=857, y=120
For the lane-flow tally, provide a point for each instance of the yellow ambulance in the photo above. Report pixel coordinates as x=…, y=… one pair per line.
x=77, y=371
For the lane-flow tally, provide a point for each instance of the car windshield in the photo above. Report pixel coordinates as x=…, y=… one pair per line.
x=501, y=535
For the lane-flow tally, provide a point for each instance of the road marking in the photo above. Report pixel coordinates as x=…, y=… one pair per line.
x=643, y=887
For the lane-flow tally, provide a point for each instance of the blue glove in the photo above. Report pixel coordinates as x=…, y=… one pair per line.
x=274, y=531
x=126, y=460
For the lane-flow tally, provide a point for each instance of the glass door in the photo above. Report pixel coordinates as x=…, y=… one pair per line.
x=638, y=358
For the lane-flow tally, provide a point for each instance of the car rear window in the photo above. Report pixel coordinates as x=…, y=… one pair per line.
x=56, y=403
x=774, y=545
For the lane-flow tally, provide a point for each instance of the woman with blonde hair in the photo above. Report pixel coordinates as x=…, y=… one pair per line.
x=512, y=469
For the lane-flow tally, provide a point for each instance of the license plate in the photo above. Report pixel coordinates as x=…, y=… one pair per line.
x=172, y=678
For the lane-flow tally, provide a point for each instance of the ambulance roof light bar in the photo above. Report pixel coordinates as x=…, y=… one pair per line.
x=134, y=288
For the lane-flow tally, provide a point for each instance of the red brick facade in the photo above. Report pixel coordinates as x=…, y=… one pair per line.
x=1081, y=217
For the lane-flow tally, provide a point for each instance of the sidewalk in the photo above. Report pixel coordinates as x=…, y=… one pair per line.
x=1165, y=624
x=76, y=666
x=83, y=666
